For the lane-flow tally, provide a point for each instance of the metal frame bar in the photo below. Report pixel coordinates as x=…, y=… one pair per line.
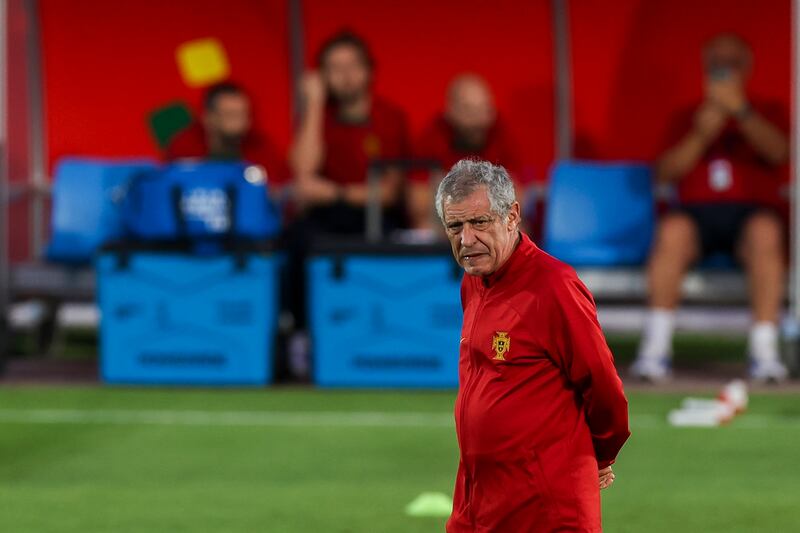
x=562, y=65
x=36, y=141
x=4, y=196
x=296, y=53
x=794, y=277
x=373, y=227
x=791, y=327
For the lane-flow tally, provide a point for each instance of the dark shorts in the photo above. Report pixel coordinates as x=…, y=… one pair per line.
x=720, y=225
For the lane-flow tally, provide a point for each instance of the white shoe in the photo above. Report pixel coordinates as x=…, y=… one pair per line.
x=769, y=371
x=651, y=369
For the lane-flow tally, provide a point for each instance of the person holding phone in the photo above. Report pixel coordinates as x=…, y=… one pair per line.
x=726, y=158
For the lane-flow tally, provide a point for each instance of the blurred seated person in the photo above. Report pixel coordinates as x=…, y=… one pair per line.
x=468, y=127
x=344, y=127
x=225, y=132
x=726, y=161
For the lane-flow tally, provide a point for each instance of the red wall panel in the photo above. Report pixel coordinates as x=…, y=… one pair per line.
x=107, y=64
x=420, y=45
x=635, y=62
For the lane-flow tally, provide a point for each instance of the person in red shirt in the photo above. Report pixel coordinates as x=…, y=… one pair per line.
x=344, y=128
x=540, y=414
x=728, y=163
x=225, y=132
x=468, y=127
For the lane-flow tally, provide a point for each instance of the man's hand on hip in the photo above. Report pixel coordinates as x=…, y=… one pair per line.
x=606, y=477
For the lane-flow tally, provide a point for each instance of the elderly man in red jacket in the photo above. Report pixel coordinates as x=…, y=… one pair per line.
x=541, y=413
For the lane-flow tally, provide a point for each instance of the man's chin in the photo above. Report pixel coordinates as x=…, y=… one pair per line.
x=233, y=139
x=347, y=97
x=473, y=138
x=476, y=270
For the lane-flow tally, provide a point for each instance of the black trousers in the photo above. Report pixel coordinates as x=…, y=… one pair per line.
x=720, y=225
x=332, y=221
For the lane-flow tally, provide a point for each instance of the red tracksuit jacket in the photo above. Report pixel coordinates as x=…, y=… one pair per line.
x=540, y=406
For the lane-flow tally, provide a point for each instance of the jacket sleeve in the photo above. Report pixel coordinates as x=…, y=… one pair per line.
x=580, y=349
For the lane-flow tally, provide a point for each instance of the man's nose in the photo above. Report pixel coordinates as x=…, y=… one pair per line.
x=467, y=236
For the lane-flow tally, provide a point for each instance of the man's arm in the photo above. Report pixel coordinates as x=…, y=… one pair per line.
x=679, y=160
x=584, y=357
x=766, y=138
x=307, y=153
x=308, y=148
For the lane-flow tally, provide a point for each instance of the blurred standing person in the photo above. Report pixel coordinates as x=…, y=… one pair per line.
x=726, y=162
x=344, y=127
x=468, y=127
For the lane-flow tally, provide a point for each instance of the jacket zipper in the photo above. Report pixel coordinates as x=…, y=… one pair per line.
x=466, y=386
x=463, y=395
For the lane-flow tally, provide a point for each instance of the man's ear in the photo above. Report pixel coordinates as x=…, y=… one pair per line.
x=514, y=216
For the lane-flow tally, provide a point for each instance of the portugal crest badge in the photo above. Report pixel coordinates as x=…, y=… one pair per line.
x=501, y=342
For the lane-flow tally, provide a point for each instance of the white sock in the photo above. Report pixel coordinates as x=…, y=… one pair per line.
x=299, y=348
x=656, y=340
x=763, y=341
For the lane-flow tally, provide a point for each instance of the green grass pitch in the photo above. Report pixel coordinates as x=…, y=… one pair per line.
x=301, y=460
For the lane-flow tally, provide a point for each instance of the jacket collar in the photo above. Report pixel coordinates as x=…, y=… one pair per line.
x=525, y=247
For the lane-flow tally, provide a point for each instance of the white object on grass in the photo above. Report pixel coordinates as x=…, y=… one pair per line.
x=693, y=418
x=735, y=394
x=433, y=504
x=706, y=412
x=723, y=411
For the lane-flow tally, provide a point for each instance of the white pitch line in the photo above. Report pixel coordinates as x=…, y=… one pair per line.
x=227, y=418
x=381, y=419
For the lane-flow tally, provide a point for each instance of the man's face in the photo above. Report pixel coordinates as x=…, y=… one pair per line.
x=481, y=241
x=470, y=110
x=727, y=58
x=346, y=74
x=230, y=116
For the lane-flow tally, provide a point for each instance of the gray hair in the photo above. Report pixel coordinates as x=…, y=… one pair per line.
x=468, y=175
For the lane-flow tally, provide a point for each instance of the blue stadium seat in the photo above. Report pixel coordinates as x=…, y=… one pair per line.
x=599, y=214
x=201, y=201
x=86, y=198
